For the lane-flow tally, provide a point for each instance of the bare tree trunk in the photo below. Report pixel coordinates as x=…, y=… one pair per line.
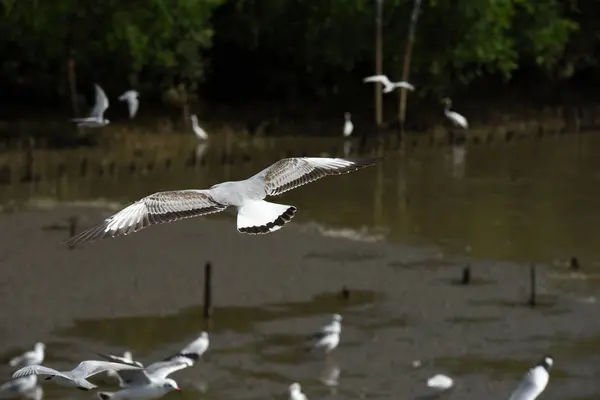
x=185, y=107
x=73, y=83
x=378, y=62
x=407, y=56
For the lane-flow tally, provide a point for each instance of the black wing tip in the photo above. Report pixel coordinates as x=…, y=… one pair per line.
x=366, y=162
x=272, y=226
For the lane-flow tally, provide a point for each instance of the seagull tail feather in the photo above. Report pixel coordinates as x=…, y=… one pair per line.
x=259, y=217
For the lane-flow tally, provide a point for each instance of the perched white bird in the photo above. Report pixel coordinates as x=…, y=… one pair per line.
x=328, y=337
x=36, y=356
x=131, y=97
x=76, y=377
x=456, y=118
x=348, y=125
x=187, y=355
x=200, y=133
x=25, y=386
x=388, y=86
x=296, y=392
x=534, y=382
x=254, y=214
x=440, y=382
x=96, y=118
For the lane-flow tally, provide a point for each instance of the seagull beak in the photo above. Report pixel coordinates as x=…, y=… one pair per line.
x=178, y=389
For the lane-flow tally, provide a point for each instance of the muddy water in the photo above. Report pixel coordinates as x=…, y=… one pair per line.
x=398, y=234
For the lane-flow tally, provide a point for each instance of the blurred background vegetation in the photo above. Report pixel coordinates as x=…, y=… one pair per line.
x=295, y=52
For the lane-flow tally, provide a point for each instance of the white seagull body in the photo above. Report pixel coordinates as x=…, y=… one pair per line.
x=254, y=214
x=328, y=337
x=25, y=386
x=200, y=133
x=188, y=356
x=348, y=125
x=33, y=357
x=388, y=86
x=96, y=118
x=440, y=382
x=133, y=103
x=296, y=392
x=77, y=377
x=456, y=118
x=534, y=382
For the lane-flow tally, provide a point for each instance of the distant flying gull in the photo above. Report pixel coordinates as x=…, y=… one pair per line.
x=348, y=125
x=440, y=382
x=188, y=355
x=131, y=97
x=25, y=386
x=200, y=133
x=456, y=118
x=296, y=392
x=254, y=214
x=96, y=118
x=388, y=85
x=328, y=337
x=33, y=357
x=76, y=377
x=534, y=382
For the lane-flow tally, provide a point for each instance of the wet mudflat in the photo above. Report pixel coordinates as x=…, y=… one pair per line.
x=396, y=236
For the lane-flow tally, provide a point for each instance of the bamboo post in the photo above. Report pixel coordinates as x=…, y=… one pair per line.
x=378, y=63
x=407, y=57
x=207, y=313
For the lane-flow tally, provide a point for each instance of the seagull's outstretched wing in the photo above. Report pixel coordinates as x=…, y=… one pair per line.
x=37, y=370
x=290, y=173
x=404, y=84
x=101, y=103
x=133, y=104
x=378, y=78
x=93, y=367
x=162, y=369
x=158, y=208
x=119, y=359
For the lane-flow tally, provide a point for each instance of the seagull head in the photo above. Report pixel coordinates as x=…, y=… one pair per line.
x=204, y=335
x=295, y=387
x=39, y=346
x=336, y=317
x=106, y=121
x=447, y=101
x=347, y=115
x=170, y=384
x=547, y=362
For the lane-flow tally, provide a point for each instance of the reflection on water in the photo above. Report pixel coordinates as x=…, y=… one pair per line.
x=529, y=201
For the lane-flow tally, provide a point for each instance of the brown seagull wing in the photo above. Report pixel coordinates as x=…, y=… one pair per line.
x=290, y=173
x=158, y=208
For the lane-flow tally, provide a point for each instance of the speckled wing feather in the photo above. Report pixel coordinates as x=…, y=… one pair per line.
x=37, y=370
x=158, y=208
x=290, y=173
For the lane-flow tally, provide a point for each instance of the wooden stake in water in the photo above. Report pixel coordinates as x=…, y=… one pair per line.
x=72, y=228
x=207, y=291
x=532, y=286
x=466, y=275
x=378, y=64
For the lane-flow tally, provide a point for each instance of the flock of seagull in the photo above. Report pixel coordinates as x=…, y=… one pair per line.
x=96, y=118
x=255, y=216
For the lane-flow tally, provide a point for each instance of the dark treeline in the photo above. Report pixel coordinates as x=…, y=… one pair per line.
x=293, y=51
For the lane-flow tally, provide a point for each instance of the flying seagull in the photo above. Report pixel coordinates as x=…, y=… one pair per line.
x=131, y=97
x=388, y=86
x=254, y=214
x=534, y=382
x=456, y=118
x=328, y=337
x=33, y=357
x=348, y=125
x=200, y=133
x=96, y=118
x=187, y=355
x=76, y=377
x=440, y=382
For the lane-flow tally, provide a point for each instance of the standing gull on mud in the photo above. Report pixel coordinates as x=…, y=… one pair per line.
x=534, y=382
x=328, y=337
x=33, y=357
x=254, y=214
x=296, y=392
